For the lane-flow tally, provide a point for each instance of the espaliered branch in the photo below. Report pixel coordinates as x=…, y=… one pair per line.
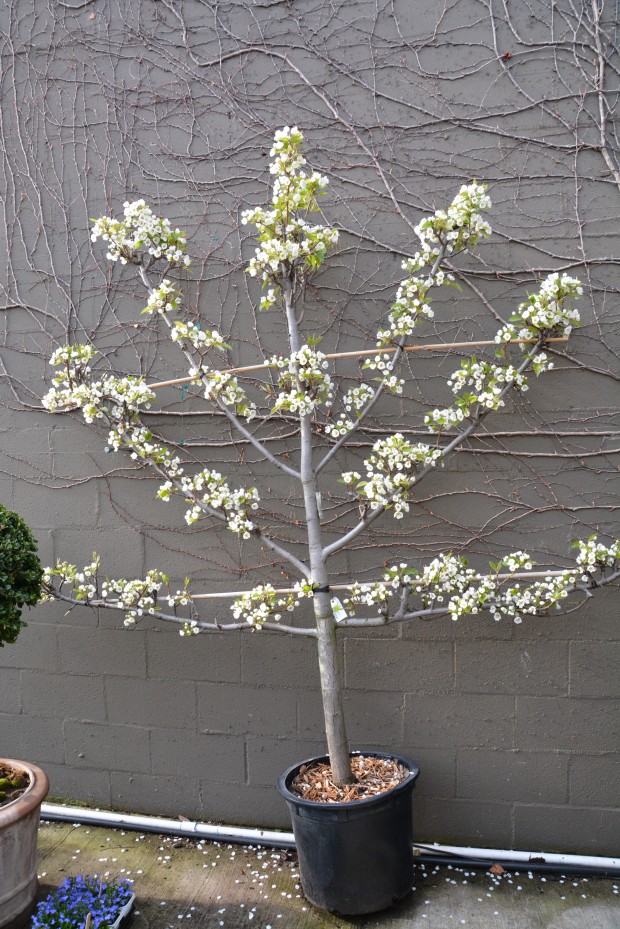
x=305, y=385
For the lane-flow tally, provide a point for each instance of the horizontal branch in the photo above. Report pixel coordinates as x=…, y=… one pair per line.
x=99, y=604
x=390, y=350
x=431, y=613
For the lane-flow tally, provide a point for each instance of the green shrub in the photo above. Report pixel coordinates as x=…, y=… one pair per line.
x=20, y=573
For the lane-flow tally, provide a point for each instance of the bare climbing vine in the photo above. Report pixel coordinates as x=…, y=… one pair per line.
x=177, y=103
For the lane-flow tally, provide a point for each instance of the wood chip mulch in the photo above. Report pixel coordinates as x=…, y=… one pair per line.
x=372, y=776
x=13, y=783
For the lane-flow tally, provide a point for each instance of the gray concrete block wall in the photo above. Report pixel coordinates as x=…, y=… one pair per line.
x=515, y=728
x=147, y=721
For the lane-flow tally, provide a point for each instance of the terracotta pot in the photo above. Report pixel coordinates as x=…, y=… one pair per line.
x=19, y=824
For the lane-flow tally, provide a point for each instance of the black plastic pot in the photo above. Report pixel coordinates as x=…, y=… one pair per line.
x=354, y=857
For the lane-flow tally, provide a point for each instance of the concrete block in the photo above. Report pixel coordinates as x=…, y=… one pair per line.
x=45, y=506
x=241, y=805
x=31, y=738
x=155, y=795
x=278, y=660
x=240, y=710
x=208, y=657
x=36, y=646
x=462, y=822
x=102, y=651
x=528, y=777
x=165, y=704
x=437, y=772
x=121, y=551
x=556, y=828
x=564, y=723
x=81, y=785
x=399, y=666
x=595, y=669
x=57, y=614
x=594, y=780
x=463, y=720
x=444, y=628
x=267, y=758
x=63, y=696
x=96, y=745
x=10, y=688
x=521, y=667
x=372, y=718
x=6, y=491
x=129, y=498
x=178, y=752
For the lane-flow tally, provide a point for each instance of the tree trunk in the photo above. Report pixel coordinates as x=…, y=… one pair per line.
x=330, y=665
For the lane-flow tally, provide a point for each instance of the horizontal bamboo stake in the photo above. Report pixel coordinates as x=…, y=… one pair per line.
x=523, y=575
x=361, y=354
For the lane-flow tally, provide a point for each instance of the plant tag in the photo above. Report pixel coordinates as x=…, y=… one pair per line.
x=338, y=610
x=319, y=505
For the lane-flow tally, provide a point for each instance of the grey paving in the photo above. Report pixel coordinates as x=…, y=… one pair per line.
x=204, y=885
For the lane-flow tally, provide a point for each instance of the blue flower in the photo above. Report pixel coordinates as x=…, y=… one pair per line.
x=76, y=897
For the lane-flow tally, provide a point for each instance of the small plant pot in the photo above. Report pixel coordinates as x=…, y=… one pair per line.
x=354, y=857
x=124, y=911
x=19, y=824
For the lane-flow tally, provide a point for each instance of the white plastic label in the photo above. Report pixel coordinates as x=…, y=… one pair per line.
x=338, y=610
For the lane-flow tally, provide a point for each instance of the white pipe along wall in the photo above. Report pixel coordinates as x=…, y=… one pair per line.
x=71, y=814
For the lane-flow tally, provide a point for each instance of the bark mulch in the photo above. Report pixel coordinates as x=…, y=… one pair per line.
x=372, y=776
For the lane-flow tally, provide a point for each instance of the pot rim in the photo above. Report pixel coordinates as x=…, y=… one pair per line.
x=407, y=784
x=31, y=799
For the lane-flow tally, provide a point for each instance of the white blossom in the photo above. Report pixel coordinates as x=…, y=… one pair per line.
x=390, y=473
x=263, y=603
x=303, y=381
x=288, y=243
x=140, y=230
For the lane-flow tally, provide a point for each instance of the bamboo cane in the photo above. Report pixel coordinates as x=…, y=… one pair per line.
x=246, y=369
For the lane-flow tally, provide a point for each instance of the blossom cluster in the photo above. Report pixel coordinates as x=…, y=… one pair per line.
x=200, y=339
x=119, y=401
x=138, y=597
x=593, y=555
x=75, y=360
x=208, y=489
x=368, y=595
x=220, y=385
x=355, y=399
x=384, y=364
x=263, y=602
x=444, y=233
x=410, y=305
x=83, y=583
x=112, y=396
x=163, y=299
x=391, y=472
x=140, y=229
x=480, y=385
x=288, y=244
x=489, y=383
x=76, y=897
x=447, y=584
x=459, y=227
x=303, y=381
x=546, y=313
